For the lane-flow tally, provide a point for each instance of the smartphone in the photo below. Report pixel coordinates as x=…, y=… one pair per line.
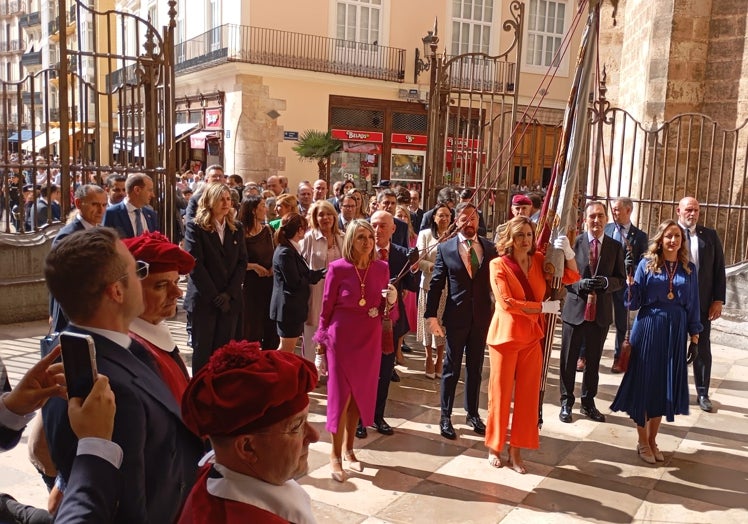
x=79, y=361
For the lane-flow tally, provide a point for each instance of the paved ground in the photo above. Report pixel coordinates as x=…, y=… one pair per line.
x=583, y=471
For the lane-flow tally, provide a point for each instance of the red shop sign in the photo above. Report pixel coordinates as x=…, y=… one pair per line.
x=463, y=143
x=352, y=135
x=408, y=139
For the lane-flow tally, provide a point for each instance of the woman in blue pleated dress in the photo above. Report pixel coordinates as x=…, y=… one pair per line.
x=666, y=293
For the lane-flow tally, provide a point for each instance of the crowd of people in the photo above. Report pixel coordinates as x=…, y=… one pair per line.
x=285, y=290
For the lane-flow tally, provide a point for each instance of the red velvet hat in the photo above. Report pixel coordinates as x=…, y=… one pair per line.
x=160, y=253
x=243, y=389
x=521, y=200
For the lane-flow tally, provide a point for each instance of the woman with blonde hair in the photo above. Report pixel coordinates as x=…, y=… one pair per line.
x=284, y=204
x=322, y=244
x=665, y=290
x=520, y=286
x=214, y=292
x=350, y=339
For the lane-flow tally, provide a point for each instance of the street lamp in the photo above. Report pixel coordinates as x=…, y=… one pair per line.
x=430, y=41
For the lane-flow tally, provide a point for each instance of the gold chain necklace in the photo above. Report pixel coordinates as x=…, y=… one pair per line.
x=362, y=281
x=670, y=276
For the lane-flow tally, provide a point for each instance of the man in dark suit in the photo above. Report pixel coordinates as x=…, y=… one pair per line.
x=416, y=212
x=91, y=202
x=466, y=195
x=387, y=201
x=398, y=259
x=462, y=266
x=347, y=212
x=709, y=259
x=634, y=243
x=160, y=453
x=588, y=310
x=47, y=206
x=133, y=216
x=214, y=174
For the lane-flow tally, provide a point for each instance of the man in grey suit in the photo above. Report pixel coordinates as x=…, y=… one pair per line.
x=709, y=259
x=588, y=310
x=634, y=243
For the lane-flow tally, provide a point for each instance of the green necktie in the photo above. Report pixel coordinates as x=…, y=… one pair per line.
x=474, y=263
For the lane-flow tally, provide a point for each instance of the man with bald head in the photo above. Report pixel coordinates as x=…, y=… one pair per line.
x=213, y=175
x=273, y=183
x=398, y=258
x=320, y=189
x=707, y=255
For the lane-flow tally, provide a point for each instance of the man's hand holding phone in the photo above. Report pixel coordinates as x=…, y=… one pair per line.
x=94, y=415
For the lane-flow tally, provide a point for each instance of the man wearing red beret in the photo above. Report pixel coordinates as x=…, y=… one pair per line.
x=253, y=405
x=521, y=205
x=166, y=261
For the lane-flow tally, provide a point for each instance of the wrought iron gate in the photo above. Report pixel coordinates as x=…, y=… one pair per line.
x=101, y=104
x=472, y=110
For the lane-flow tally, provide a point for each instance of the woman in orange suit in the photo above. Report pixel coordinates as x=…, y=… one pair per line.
x=520, y=286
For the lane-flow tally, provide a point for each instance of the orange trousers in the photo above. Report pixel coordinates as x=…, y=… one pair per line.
x=517, y=371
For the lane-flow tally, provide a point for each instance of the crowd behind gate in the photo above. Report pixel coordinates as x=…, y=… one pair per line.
x=275, y=280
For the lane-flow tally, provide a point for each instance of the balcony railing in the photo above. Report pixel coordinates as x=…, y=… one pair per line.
x=14, y=46
x=31, y=19
x=480, y=73
x=53, y=26
x=272, y=47
x=31, y=59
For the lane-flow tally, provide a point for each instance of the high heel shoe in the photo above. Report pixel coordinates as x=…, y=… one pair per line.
x=518, y=466
x=337, y=473
x=659, y=457
x=354, y=463
x=645, y=453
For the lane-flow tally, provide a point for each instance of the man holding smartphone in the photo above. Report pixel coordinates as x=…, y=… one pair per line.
x=97, y=283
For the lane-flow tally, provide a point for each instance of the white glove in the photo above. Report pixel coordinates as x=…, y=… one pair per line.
x=562, y=243
x=320, y=362
x=435, y=327
x=551, y=307
x=390, y=293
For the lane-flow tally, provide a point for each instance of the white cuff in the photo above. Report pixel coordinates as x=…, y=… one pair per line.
x=102, y=448
x=12, y=420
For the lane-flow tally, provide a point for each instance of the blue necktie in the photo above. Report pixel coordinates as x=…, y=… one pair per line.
x=138, y=223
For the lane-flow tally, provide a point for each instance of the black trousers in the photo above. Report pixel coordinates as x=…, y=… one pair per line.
x=469, y=340
x=619, y=314
x=572, y=336
x=702, y=365
x=386, y=366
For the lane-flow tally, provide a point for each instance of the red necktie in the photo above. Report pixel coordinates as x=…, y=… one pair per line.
x=383, y=254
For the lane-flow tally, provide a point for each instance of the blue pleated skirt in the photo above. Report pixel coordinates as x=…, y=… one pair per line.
x=656, y=382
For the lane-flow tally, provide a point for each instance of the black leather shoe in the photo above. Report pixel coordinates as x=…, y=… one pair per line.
x=476, y=423
x=395, y=377
x=591, y=412
x=705, y=404
x=446, y=429
x=405, y=348
x=565, y=415
x=382, y=427
x=361, y=431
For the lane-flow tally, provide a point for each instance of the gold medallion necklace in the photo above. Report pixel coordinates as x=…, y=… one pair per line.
x=362, y=281
x=670, y=276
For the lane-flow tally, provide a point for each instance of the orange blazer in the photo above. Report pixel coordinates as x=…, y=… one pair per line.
x=511, y=328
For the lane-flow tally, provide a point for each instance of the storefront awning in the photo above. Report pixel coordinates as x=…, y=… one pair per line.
x=197, y=140
x=42, y=140
x=181, y=131
x=26, y=134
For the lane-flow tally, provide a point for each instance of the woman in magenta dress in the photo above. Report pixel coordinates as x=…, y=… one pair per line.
x=350, y=339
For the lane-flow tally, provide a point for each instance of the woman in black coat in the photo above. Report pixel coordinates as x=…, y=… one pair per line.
x=214, y=292
x=289, y=304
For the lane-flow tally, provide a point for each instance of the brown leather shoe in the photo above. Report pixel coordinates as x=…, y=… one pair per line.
x=581, y=363
x=616, y=368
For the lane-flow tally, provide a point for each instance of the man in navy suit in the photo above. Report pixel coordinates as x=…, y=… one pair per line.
x=709, y=259
x=462, y=266
x=91, y=202
x=133, y=216
x=397, y=258
x=588, y=310
x=97, y=283
x=47, y=206
x=447, y=195
x=634, y=242
x=347, y=212
x=387, y=201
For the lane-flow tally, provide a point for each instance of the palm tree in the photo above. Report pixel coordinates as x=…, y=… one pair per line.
x=318, y=146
